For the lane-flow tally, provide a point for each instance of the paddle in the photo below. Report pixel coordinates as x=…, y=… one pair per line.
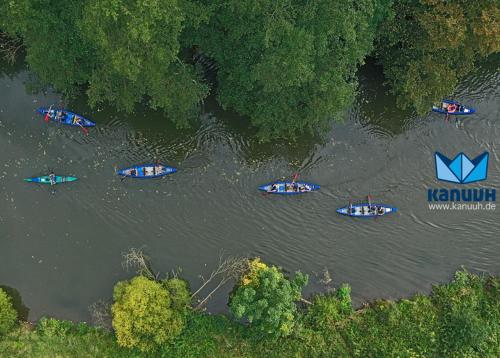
x=47, y=115
x=85, y=130
x=122, y=177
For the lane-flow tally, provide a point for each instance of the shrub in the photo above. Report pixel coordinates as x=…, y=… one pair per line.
x=8, y=316
x=146, y=314
x=330, y=308
x=266, y=298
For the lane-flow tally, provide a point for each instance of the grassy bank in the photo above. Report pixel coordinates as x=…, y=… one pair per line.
x=459, y=319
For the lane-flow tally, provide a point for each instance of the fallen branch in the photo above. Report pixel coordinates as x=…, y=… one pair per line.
x=303, y=300
x=229, y=268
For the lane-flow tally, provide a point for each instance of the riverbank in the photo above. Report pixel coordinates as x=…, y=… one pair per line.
x=461, y=318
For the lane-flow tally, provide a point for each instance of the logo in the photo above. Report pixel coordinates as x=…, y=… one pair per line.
x=461, y=169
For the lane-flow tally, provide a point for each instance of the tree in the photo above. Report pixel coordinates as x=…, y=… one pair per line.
x=122, y=52
x=146, y=313
x=8, y=315
x=56, y=50
x=266, y=298
x=428, y=46
x=288, y=65
x=138, y=53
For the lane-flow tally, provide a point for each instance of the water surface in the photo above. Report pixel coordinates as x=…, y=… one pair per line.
x=62, y=251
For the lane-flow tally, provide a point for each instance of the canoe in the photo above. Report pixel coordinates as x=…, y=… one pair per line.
x=147, y=171
x=447, y=105
x=362, y=210
x=285, y=188
x=45, y=179
x=66, y=117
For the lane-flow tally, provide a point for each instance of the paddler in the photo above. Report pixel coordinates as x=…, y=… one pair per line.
x=52, y=178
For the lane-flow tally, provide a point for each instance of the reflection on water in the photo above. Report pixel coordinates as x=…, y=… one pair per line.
x=62, y=251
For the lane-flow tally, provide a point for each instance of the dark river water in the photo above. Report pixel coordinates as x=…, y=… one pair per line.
x=62, y=251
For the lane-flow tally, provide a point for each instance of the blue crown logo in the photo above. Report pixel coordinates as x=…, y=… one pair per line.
x=461, y=169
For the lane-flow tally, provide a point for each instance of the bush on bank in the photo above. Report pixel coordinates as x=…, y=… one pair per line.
x=458, y=319
x=146, y=314
x=8, y=316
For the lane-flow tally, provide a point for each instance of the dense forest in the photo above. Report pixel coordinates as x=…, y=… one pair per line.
x=289, y=66
x=153, y=316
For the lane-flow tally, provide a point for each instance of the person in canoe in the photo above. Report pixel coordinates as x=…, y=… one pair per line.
x=274, y=188
x=52, y=178
x=133, y=172
x=59, y=115
x=294, y=186
x=77, y=120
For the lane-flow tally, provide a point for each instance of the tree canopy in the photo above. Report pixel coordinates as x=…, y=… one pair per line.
x=146, y=313
x=121, y=52
x=266, y=298
x=288, y=65
x=428, y=46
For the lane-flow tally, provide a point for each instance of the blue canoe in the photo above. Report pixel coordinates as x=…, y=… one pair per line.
x=286, y=188
x=147, y=171
x=453, y=107
x=45, y=179
x=366, y=210
x=66, y=117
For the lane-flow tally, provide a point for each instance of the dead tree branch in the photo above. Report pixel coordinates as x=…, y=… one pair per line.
x=229, y=268
x=136, y=259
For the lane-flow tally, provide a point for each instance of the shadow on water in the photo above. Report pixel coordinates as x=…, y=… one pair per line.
x=239, y=133
x=17, y=302
x=11, y=70
x=377, y=110
x=157, y=137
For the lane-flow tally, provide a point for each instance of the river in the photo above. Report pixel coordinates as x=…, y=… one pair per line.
x=62, y=251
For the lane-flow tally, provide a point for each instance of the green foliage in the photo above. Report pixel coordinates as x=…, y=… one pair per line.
x=470, y=316
x=459, y=319
x=428, y=46
x=8, y=316
x=268, y=301
x=123, y=52
x=178, y=289
x=54, y=338
x=137, y=48
x=288, y=65
x=330, y=309
x=144, y=315
x=55, y=48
